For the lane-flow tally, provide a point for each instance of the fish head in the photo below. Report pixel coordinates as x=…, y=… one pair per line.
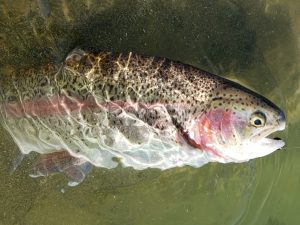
x=236, y=124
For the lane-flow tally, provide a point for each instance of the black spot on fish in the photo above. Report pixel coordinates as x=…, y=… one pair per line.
x=217, y=98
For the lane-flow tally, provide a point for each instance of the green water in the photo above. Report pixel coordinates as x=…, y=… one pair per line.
x=255, y=42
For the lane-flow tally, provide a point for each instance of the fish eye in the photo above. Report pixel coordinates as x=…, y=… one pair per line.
x=258, y=119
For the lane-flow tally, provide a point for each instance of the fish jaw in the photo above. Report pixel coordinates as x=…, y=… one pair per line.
x=267, y=146
x=246, y=151
x=251, y=150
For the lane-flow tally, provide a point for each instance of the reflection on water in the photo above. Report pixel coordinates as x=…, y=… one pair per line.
x=255, y=42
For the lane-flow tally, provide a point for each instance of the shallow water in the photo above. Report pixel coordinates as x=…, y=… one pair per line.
x=253, y=42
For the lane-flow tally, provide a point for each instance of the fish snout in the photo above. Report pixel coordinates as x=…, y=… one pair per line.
x=281, y=120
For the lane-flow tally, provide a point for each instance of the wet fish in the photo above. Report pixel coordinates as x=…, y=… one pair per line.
x=103, y=109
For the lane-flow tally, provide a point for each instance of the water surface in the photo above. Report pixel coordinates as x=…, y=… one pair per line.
x=253, y=42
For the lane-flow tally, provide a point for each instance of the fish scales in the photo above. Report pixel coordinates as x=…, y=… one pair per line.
x=146, y=111
x=122, y=77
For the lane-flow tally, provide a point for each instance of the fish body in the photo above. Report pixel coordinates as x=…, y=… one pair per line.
x=107, y=108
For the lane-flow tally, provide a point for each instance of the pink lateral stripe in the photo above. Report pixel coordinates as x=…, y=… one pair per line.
x=63, y=105
x=42, y=107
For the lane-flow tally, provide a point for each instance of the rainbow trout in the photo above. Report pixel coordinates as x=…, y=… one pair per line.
x=103, y=108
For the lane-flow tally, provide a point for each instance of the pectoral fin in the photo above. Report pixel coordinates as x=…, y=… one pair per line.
x=75, y=169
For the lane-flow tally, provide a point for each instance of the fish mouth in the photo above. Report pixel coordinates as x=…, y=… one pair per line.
x=260, y=144
x=272, y=143
x=264, y=138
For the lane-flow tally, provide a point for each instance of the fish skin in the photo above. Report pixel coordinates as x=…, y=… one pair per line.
x=132, y=101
